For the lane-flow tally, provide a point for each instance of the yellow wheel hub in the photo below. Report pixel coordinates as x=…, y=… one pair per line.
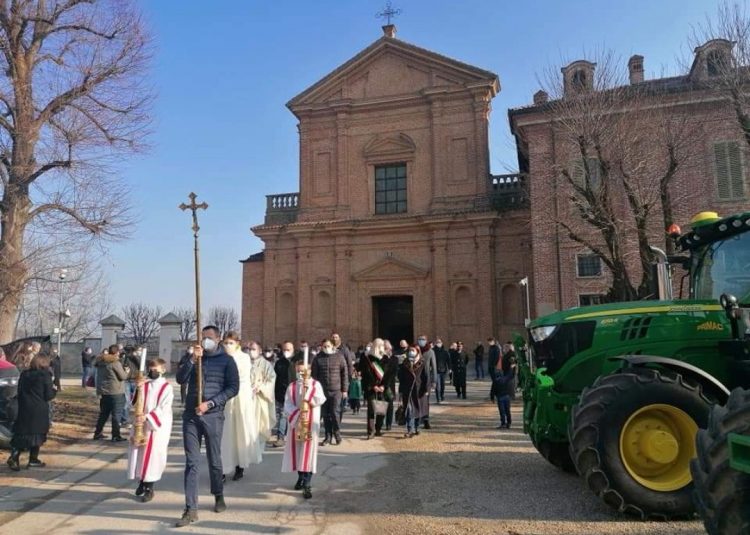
x=656, y=445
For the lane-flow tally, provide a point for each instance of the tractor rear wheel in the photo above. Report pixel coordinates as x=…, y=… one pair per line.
x=557, y=453
x=722, y=494
x=632, y=436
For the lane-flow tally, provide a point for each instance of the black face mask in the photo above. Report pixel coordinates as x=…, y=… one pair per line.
x=153, y=374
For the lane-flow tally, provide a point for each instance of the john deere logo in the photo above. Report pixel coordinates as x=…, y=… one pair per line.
x=710, y=326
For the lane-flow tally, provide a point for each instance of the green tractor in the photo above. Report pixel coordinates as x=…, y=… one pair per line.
x=617, y=392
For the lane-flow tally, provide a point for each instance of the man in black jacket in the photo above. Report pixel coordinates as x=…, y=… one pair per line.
x=492, y=360
x=282, y=368
x=204, y=418
x=332, y=372
x=443, y=364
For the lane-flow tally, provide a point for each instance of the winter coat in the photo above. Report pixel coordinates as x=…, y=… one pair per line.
x=221, y=381
x=369, y=379
x=87, y=359
x=132, y=364
x=413, y=387
x=331, y=371
x=283, y=369
x=109, y=376
x=355, y=388
x=442, y=359
x=348, y=356
x=430, y=364
x=504, y=382
x=479, y=353
x=459, y=360
x=34, y=394
x=493, y=358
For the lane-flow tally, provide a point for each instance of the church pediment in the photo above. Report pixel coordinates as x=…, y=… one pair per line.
x=391, y=268
x=392, y=67
x=382, y=145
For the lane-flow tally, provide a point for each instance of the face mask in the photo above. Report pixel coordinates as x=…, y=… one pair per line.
x=313, y=352
x=254, y=354
x=154, y=374
x=268, y=354
x=328, y=351
x=288, y=354
x=439, y=344
x=422, y=342
x=209, y=344
x=299, y=376
x=412, y=355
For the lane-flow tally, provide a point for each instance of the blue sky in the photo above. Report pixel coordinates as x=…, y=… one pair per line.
x=223, y=71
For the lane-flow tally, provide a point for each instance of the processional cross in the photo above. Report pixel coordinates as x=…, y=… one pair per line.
x=194, y=207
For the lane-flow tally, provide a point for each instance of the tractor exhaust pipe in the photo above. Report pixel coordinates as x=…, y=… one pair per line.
x=663, y=274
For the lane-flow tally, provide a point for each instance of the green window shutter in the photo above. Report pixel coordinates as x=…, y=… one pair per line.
x=736, y=173
x=722, y=171
x=577, y=172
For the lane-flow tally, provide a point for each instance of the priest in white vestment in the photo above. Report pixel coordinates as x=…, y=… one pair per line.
x=262, y=403
x=236, y=435
x=146, y=463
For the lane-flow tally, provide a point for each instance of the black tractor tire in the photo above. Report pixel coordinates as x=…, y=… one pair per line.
x=594, y=432
x=557, y=453
x=722, y=494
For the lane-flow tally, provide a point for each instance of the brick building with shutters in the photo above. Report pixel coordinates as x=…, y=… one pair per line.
x=565, y=274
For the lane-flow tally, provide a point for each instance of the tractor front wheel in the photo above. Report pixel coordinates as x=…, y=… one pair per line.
x=632, y=436
x=722, y=494
x=557, y=453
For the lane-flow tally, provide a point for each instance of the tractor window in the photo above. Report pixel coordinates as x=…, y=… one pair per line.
x=723, y=267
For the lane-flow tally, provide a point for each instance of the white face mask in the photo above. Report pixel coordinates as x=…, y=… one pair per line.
x=439, y=344
x=288, y=354
x=328, y=351
x=209, y=344
x=268, y=354
x=254, y=354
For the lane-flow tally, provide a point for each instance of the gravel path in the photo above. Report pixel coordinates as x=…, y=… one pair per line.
x=465, y=476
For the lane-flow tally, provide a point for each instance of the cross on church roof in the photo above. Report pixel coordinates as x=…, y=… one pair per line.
x=388, y=13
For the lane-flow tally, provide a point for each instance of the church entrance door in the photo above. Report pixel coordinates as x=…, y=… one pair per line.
x=393, y=318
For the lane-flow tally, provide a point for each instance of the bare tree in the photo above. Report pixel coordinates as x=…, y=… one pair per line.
x=625, y=153
x=187, y=325
x=727, y=71
x=141, y=321
x=72, y=100
x=223, y=317
x=84, y=294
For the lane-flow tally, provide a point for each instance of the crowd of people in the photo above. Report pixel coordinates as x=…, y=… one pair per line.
x=249, y=396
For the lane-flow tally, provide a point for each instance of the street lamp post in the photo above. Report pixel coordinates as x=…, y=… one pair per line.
x=525, y=283
x=62, y=314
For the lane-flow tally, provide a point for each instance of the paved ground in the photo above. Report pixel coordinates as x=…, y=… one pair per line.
x=464, y=476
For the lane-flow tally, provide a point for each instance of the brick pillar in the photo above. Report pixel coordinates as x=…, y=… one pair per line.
x=439, y=283
x=485, y=280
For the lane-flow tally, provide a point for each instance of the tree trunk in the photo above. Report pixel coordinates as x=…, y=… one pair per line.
x=13, y=270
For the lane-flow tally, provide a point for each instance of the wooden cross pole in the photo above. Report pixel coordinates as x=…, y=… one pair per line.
x=194, y=207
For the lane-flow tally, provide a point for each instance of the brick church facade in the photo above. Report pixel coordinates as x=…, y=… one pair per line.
x=398, y=227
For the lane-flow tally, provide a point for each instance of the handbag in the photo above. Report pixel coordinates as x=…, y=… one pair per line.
x=380, y=407
x=401, y=415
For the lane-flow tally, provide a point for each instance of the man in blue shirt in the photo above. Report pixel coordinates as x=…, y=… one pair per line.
x=204, y=418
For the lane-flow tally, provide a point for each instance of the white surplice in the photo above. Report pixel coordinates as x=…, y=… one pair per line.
x=236, y=435
x=302, y=456
x=262, y=407
x=147, y=462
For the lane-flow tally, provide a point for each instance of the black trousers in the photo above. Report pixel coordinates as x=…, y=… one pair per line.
x=110, y=406
x=194, y=429
x=374, y=423
x=389, y=414
x=330, y=413
x=305, y=478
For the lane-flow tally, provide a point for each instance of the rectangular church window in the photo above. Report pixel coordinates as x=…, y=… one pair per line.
x=390, y=189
